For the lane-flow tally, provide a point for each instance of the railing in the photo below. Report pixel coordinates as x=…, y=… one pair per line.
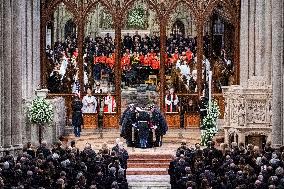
x=183, y=98
x=68, y=102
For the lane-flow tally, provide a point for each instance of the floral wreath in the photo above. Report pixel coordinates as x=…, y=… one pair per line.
x=136, y=18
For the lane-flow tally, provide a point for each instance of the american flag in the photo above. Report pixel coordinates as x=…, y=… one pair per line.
x=77, y=88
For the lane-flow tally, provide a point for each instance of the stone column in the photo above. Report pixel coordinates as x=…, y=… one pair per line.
x=7, y=58
x=244, y=43
x=259, y=17
x=251, y=48
x=29, y=52
x=268, y=37
x=1, y=74
x=277, y=67
x=35, y=13
x=16, y=99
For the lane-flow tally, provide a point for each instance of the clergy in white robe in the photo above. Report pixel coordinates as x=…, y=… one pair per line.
x=63, y=66
x=89, y=103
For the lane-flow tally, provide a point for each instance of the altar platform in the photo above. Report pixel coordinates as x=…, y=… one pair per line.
x=171, y=141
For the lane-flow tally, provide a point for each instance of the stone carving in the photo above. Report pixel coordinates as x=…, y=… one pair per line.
x=256, y=111
x=248, y=109
x=257, y=82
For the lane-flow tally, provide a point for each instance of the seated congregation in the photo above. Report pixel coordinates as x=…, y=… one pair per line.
x=59, y=167
x=235, y=167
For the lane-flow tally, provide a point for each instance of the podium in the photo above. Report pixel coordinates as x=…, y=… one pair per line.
x=110, y=121
x=90, y=120
x=173, y=120
x=191, y=120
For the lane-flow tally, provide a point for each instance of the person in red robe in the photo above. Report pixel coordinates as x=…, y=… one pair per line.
x=176, y=55
x=188, y=55
x=147, y=61
x=75, y=53
x=103, y=58
x=152, y=54
x=141, y=58
x=109, y=103
x=155, y=63
x=110, y=61
x=125, y=61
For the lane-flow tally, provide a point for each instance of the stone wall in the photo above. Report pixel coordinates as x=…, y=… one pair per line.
x=51, y=132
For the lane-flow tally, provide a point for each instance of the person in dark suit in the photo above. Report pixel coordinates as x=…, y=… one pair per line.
x=143, y=129
x=77, y=117
x=159, y=124
x=127, y=120
x=127, y=42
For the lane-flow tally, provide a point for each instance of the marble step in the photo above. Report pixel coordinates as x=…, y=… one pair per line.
x=150, y=156
x=142, y=160
x=147, y=171
x=148, y=178
x=147, y=165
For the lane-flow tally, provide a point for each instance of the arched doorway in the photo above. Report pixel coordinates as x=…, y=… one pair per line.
x=178, y=28
x=70, y=29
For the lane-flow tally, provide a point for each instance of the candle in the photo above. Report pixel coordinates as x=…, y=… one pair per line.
x=209, y=87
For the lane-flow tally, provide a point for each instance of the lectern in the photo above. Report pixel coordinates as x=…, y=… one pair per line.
x=90, y=120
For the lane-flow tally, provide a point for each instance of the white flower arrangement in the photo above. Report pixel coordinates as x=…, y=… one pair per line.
x=40, y=111
x=136, y=18
x=209, y=123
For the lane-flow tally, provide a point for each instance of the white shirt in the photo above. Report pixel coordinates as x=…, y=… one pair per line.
x=169, y=102
x=184, y=69
x=110, y=102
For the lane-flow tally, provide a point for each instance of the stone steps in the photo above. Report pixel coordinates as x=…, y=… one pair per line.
x=147, y=171
x=147, y=165
x=142, y=160
x=149, y=181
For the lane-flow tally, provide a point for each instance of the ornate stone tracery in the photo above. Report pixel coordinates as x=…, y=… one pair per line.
x=199, y=9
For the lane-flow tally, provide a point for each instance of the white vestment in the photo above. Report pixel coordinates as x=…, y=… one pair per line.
x=63, y=67
x=111, y=104
x=89, y=104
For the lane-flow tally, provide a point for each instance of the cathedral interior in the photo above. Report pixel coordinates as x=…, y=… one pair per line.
x=181, y=57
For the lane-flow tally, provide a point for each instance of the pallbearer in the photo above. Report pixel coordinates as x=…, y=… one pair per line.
x=143, y=127
x=127, y=121
x=159, y=124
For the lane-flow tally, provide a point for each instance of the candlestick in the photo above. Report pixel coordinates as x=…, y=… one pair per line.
x=209, y=86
